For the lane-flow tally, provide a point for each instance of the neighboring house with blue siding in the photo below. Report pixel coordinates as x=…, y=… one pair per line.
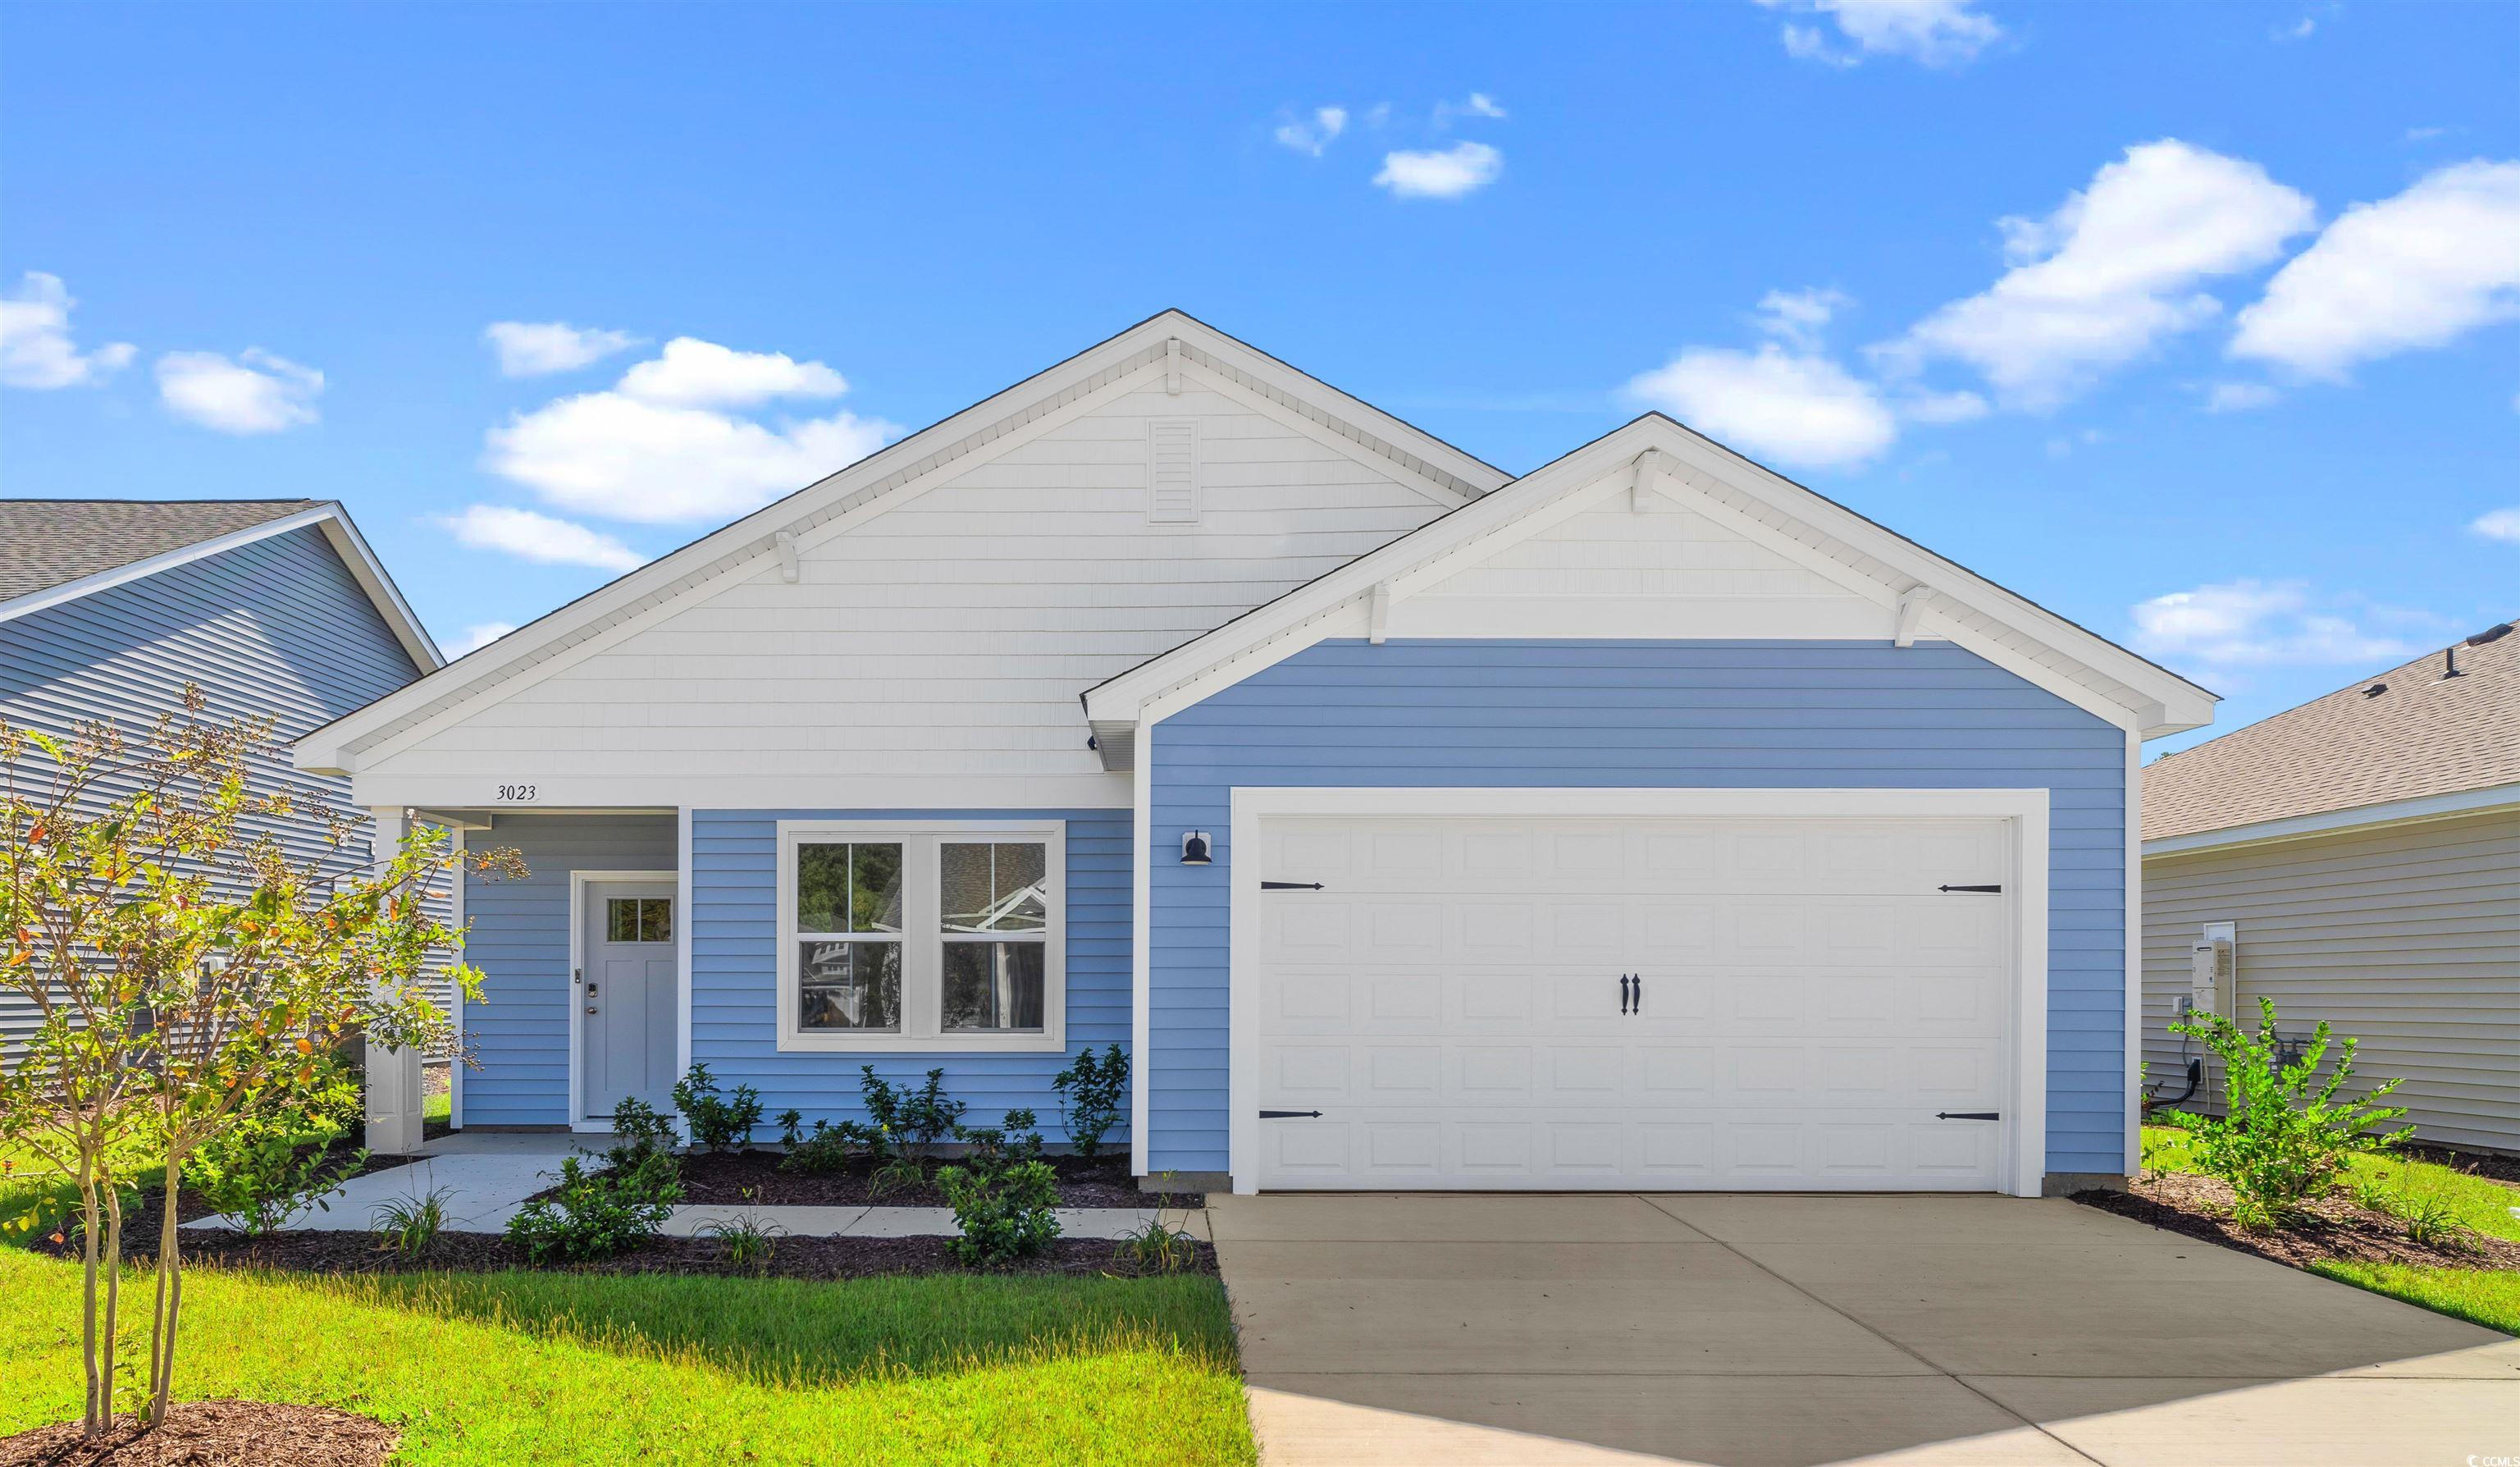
x=1643, y=821
x=274, y=607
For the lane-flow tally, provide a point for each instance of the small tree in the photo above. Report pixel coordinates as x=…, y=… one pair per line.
x=2284, y=1135
x=1090, y=1092
x=183, y=962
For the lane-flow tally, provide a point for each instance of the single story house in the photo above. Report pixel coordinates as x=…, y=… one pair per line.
x=1644, y=821
x=2357, y=860
x=273, y=606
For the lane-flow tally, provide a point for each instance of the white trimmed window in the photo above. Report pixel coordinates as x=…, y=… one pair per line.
x=927, y=935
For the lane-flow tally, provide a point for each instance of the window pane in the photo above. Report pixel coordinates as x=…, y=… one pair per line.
x=995, y=888
x=656, y=919
x=621, y=919
x=849, y=986
x=853, y=888
x=822, y=888
x=994, y=986
x=874, y=885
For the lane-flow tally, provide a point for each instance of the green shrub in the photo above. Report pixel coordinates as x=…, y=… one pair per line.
x=895, y=1174
x=1091, y=1093
x=2284, y=1135
x=598, y=1213
x=746, y=1240
x=639, y=1132
x=991, y=1148
x=1004, y=1213
x=408, y=1227
x=828, y=1148
x=791, y=1124
x=274, y=1164
x=1155, y=1248
x=912, y=1122
x=717, y=1122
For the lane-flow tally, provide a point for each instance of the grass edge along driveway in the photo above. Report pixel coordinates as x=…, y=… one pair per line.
x=2490, y=1297
x=557, y=1367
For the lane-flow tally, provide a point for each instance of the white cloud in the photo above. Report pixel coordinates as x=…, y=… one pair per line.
x=1314, y=134
x=2299, y=31
x=693, y=373
x=36, y=348
x=481, y=634
x=1941, y=407
x=534, y=348
x=2498, y=524
x=656, y=448
x=256, y=393
x=2239, y=396
x=2413, y=271
x=2112, y=271
x=1798, y=317
x=528, y=536
x=2252, y=623
x=1773, y=404
x=1937, y=32
x=1480, y=104
x=1461, y=169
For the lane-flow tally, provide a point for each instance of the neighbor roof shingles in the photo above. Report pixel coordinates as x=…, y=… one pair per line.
x=2425, y=735
x=46, y=542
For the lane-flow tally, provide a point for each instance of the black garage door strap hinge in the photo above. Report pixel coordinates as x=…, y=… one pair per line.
x=1290, y=885
x=1288, y=1115
x=1970, y=889
x=1968, y=1115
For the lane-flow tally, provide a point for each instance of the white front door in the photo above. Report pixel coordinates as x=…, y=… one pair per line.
x=1655, y=1002
x=626, y=992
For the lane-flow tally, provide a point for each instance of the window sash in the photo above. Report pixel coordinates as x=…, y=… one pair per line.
x=924, y=944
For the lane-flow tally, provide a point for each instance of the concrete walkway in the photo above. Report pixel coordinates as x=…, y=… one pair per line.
x=1481, y=1330
x=487, y=1177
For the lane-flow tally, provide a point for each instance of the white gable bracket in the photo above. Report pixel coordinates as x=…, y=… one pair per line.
x=1377, y=620
x=1172, y=366
x=790, y=568
x=1911, y=614
x=1650, y=468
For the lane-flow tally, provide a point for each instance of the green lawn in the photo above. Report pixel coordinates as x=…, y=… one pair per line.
x=497, y=1368
x=2490, y=1297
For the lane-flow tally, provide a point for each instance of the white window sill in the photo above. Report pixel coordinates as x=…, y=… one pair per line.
x=877, y=1044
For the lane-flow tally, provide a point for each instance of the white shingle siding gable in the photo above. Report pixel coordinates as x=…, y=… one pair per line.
x=931, y=654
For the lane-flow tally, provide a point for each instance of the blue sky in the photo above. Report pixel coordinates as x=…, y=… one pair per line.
x=2198, y=323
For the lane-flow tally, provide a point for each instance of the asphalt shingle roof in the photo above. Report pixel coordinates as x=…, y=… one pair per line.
x=45, y=542
x=2423, y=735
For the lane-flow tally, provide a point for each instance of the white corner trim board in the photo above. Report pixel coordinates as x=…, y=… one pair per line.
x=2019, y=1164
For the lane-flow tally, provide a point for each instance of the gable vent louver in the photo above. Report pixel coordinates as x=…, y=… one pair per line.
x=1172, y=471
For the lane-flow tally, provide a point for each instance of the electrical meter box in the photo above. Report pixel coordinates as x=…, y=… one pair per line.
x=2214, y=976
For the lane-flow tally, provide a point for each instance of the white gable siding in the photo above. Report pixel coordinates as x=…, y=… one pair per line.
x=1610, y=571
x=932, y=655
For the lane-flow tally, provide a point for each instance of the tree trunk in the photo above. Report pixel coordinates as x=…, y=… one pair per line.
x=170, y=1301
x=112, y=1296
x=89, y=1225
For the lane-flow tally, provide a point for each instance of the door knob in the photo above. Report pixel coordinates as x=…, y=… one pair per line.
x=590, y=1008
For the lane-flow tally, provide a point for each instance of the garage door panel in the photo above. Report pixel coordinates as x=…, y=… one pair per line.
x=1453, y=1004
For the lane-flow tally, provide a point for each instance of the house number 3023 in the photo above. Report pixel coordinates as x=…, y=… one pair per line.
x=515, y=792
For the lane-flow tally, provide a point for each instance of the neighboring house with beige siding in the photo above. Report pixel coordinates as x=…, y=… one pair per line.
x=2358, y=859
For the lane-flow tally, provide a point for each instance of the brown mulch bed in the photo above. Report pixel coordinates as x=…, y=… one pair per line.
x=214, y=1434
x=482, y=1253
x=740, y=1178
x=2332, y=1227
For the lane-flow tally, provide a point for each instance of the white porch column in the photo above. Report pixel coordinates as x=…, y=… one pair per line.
x=393, y=1088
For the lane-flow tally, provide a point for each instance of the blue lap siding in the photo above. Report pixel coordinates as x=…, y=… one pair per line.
x=735, y=956
x=518, y=1028
x=1713, y=714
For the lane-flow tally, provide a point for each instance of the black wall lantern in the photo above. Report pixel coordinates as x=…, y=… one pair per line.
x=1194, y=848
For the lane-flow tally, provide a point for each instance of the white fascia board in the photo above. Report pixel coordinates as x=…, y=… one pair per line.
x=2325, y=822
x=352, y=547
x=997, y=422
x=1523, y=508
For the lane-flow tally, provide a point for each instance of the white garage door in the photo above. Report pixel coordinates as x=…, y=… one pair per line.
x=1648, y=1002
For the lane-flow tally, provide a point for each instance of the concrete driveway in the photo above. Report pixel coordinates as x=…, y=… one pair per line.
x=1469, y=1330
